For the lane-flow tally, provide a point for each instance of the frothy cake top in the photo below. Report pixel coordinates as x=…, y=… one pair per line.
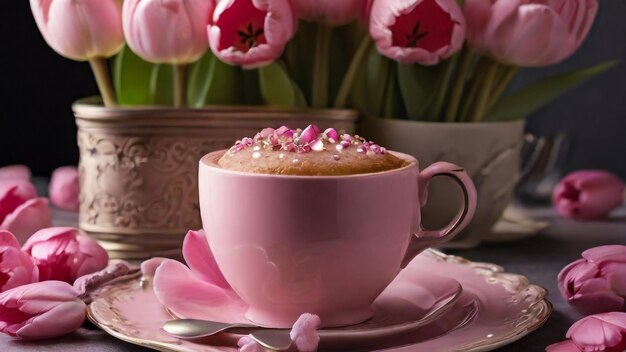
x=308, y=152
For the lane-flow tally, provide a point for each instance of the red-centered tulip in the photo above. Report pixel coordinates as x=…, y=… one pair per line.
x=64, y=188
x=596, y=283
x=529, y=33
x=329, y=12
x=41, y=310
x=251, y=33
x=417, y=31
x=65, y=254
x=21, y=212
x=167, y=31
x=80, y=29
x=15, y=172
x=602, y=332
x=16, y=267
x=588, y=194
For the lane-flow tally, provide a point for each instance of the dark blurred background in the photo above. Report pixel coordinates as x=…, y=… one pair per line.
x=37, y=88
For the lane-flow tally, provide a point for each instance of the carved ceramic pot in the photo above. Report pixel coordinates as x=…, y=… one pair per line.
x=139, y=167
x=490, y=152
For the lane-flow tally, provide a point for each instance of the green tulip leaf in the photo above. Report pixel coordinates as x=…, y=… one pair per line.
x=162, y=85
x=378, y=68
x=212, y=82
x=277, y=88
x=418, y=86
x=132, y=78
x=534, y=96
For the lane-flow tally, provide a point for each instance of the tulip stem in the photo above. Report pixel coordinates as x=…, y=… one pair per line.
x=180, y=85
x=486, y=90
x=355, y=65
x=321, y=70
x=459, y=85
x=474, y=82
x=100, y=69
x=509, y=74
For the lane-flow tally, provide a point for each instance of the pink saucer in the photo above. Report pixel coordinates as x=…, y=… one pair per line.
x=494, y=309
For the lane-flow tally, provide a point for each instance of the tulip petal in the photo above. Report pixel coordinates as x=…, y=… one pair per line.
x=16, y=268
x=594, y=333
x=149, y=267
x=200, y=259
x=178, y=289
x=565, y=346
x=612, y=253
x=304, y=332
x=15, y=172
x=58, y=321
x=7, y=239
x=64, y=188
x=28, y=218
x=615, y=274
x=14, y=193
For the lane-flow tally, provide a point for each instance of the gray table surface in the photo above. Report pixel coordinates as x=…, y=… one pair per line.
x=540, y=258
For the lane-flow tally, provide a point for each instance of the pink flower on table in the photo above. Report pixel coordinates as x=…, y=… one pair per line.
x=41, y=310
x=601, y=332
x=21, y=211
x=588, y=194
x=64, y=188
x=172, y=31
x=597, y=282
x=529, y=32
x=251, y=33
x=16, y=267
x=417, y=31
x=65, y=254
x=80, y=29
x=15, y=172
x=329, y=12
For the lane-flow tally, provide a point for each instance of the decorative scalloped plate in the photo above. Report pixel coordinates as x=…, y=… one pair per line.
x=494, y=309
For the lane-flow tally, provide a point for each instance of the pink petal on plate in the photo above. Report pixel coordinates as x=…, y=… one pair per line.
x=186, y=295
x=247, y=344
x=304, y=332
x=565, y=346
x=28, y=218
x=149, y=267
x=200, y=259
x=15, y=172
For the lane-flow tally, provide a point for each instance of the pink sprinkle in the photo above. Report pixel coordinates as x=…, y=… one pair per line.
x=331, y=133
x=347, y=137
x=344, y=144
x=290, y=147
x=266, y=132
x=317, y=145
x=309, y=134
x=304, y=149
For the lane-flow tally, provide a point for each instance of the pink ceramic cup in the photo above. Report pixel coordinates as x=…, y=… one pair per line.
x=327, y=245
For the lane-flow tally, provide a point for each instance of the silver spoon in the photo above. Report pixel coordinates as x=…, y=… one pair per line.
x=193, y=329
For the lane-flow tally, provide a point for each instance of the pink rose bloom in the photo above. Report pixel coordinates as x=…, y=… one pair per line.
x=16, y=267
x=41, y=310
x=65, y=254
x=80, y=29
x=417, y=31
x=251, y=33
x=172, y=31
x=15, y=172
x=596, y=283
x=529, y=32
x=329, y=12
x=64, y=188
x=588, y=195
x=602, y=332
x=21, y=211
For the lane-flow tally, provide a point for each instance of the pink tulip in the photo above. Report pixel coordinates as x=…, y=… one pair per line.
x=329, y=12
x=172, y=31
x=16, y=267
x=41, y=310
x=596, y=283
x=251, y=33
x=21, y=212
x=602, y=332
x=65, y=254
x=64, y=188
x=417, y=31
x=80, y=29
x=15, y=172
x=588, y=195
x=529, y=32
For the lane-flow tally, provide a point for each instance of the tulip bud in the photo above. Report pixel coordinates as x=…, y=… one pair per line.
x=417, y=31
x=64, y=188
x=41, y=310
x=15, y=172
x=21, y=212
x=251, y=33
x=596, y=283
x=16, y=267
x=529, y=33
x=65, y=254
x=588, y=195
x=80, y=29
x=172, y=31
x=329, y=12
x=601, y=332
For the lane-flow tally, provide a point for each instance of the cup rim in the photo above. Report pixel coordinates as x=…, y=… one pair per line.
x=210, y=161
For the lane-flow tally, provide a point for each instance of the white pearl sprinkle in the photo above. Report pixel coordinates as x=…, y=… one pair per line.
x=256, y=155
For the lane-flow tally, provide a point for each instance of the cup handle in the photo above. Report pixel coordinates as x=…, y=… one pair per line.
x=426, y=238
